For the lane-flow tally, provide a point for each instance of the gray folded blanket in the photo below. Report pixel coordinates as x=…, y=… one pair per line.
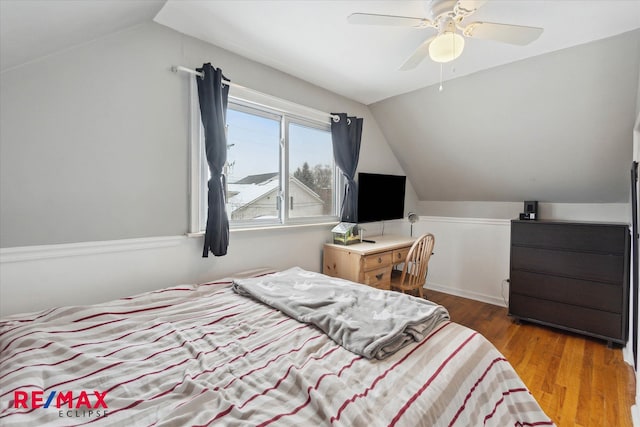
x=364, y=320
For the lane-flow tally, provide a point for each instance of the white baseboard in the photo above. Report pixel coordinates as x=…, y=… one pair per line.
x=466, y=294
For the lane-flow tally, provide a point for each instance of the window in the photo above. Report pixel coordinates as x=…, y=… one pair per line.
x=280, y=169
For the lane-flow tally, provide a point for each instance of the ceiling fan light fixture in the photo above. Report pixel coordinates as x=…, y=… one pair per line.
x=446, y=47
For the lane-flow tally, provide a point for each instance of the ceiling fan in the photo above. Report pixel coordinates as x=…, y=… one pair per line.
x=447, y=18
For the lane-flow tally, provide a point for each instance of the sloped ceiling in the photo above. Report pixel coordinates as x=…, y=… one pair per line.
x=31, y=29
x=550, y=122
x=554, y=128
x=312, y=39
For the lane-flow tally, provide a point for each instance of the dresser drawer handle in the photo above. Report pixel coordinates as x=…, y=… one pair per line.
x=379, y=260
x=379, y=276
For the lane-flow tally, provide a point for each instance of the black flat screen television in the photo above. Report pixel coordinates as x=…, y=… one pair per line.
x=380, y=197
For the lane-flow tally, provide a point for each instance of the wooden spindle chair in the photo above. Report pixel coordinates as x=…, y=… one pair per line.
x=414, y=272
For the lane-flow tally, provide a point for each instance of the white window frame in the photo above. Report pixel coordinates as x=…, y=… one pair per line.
x=255, y=103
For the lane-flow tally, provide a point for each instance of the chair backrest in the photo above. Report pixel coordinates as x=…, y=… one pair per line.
x=414, y=272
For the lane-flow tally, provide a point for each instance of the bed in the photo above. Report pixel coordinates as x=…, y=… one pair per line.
x=197, y=355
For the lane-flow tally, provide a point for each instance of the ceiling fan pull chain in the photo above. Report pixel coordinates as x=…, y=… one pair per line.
x=440, y=88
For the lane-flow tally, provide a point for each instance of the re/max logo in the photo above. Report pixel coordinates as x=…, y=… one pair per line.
x=35, y=399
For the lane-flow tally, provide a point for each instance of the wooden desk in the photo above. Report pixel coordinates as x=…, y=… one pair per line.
x=368, y=263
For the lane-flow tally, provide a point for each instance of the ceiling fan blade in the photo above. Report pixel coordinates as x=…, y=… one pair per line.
x=469, y=6
x=513, y=34
x=402, y=21
x=418, y=55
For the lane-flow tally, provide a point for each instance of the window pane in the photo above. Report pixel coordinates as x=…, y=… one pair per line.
x=311, y=172
x=252, y=166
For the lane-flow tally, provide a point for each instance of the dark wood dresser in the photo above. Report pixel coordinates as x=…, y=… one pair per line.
x=571, y=275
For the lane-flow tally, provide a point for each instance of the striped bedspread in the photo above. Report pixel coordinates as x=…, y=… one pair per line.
x=203, y=355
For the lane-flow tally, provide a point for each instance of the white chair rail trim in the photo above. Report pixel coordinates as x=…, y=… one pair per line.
x=462, y=220
x=30, y=253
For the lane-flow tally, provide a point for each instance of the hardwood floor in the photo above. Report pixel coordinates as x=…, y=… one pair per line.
x=578, y=381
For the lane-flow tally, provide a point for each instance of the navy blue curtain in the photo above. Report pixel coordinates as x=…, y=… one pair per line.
x=346, y=134
x=213, y=96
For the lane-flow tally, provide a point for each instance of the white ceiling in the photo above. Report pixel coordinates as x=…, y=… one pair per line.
x=310, y=39
x=313, y=41
x=31, y=29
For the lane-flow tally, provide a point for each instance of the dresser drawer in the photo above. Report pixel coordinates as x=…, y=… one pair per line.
x=571, y=275
x=579, y=319
x=596, y=295
x=572, y=237
x=382, y=259
x=581, y=265
x=379, y=278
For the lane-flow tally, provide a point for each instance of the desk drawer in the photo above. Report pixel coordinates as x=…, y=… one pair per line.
x=379, y=278
x=382, y=259
x=399, y=255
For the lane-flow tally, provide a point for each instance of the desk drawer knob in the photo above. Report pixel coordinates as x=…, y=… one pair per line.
x=379, y=276
x=379, y=260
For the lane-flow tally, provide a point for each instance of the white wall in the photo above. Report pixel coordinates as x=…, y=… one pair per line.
x=628, y=350
x=38, y=277
x=607, y=212
x=44, y=156
x=555, y=127
x=471, y=259
x=94, y=139
x=471, y=255
x=94, y=144
x=473, y=241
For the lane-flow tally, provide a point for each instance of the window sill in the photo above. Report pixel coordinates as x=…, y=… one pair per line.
x=272, y=227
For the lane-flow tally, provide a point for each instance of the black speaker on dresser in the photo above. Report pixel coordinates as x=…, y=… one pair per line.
x=530, y=210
